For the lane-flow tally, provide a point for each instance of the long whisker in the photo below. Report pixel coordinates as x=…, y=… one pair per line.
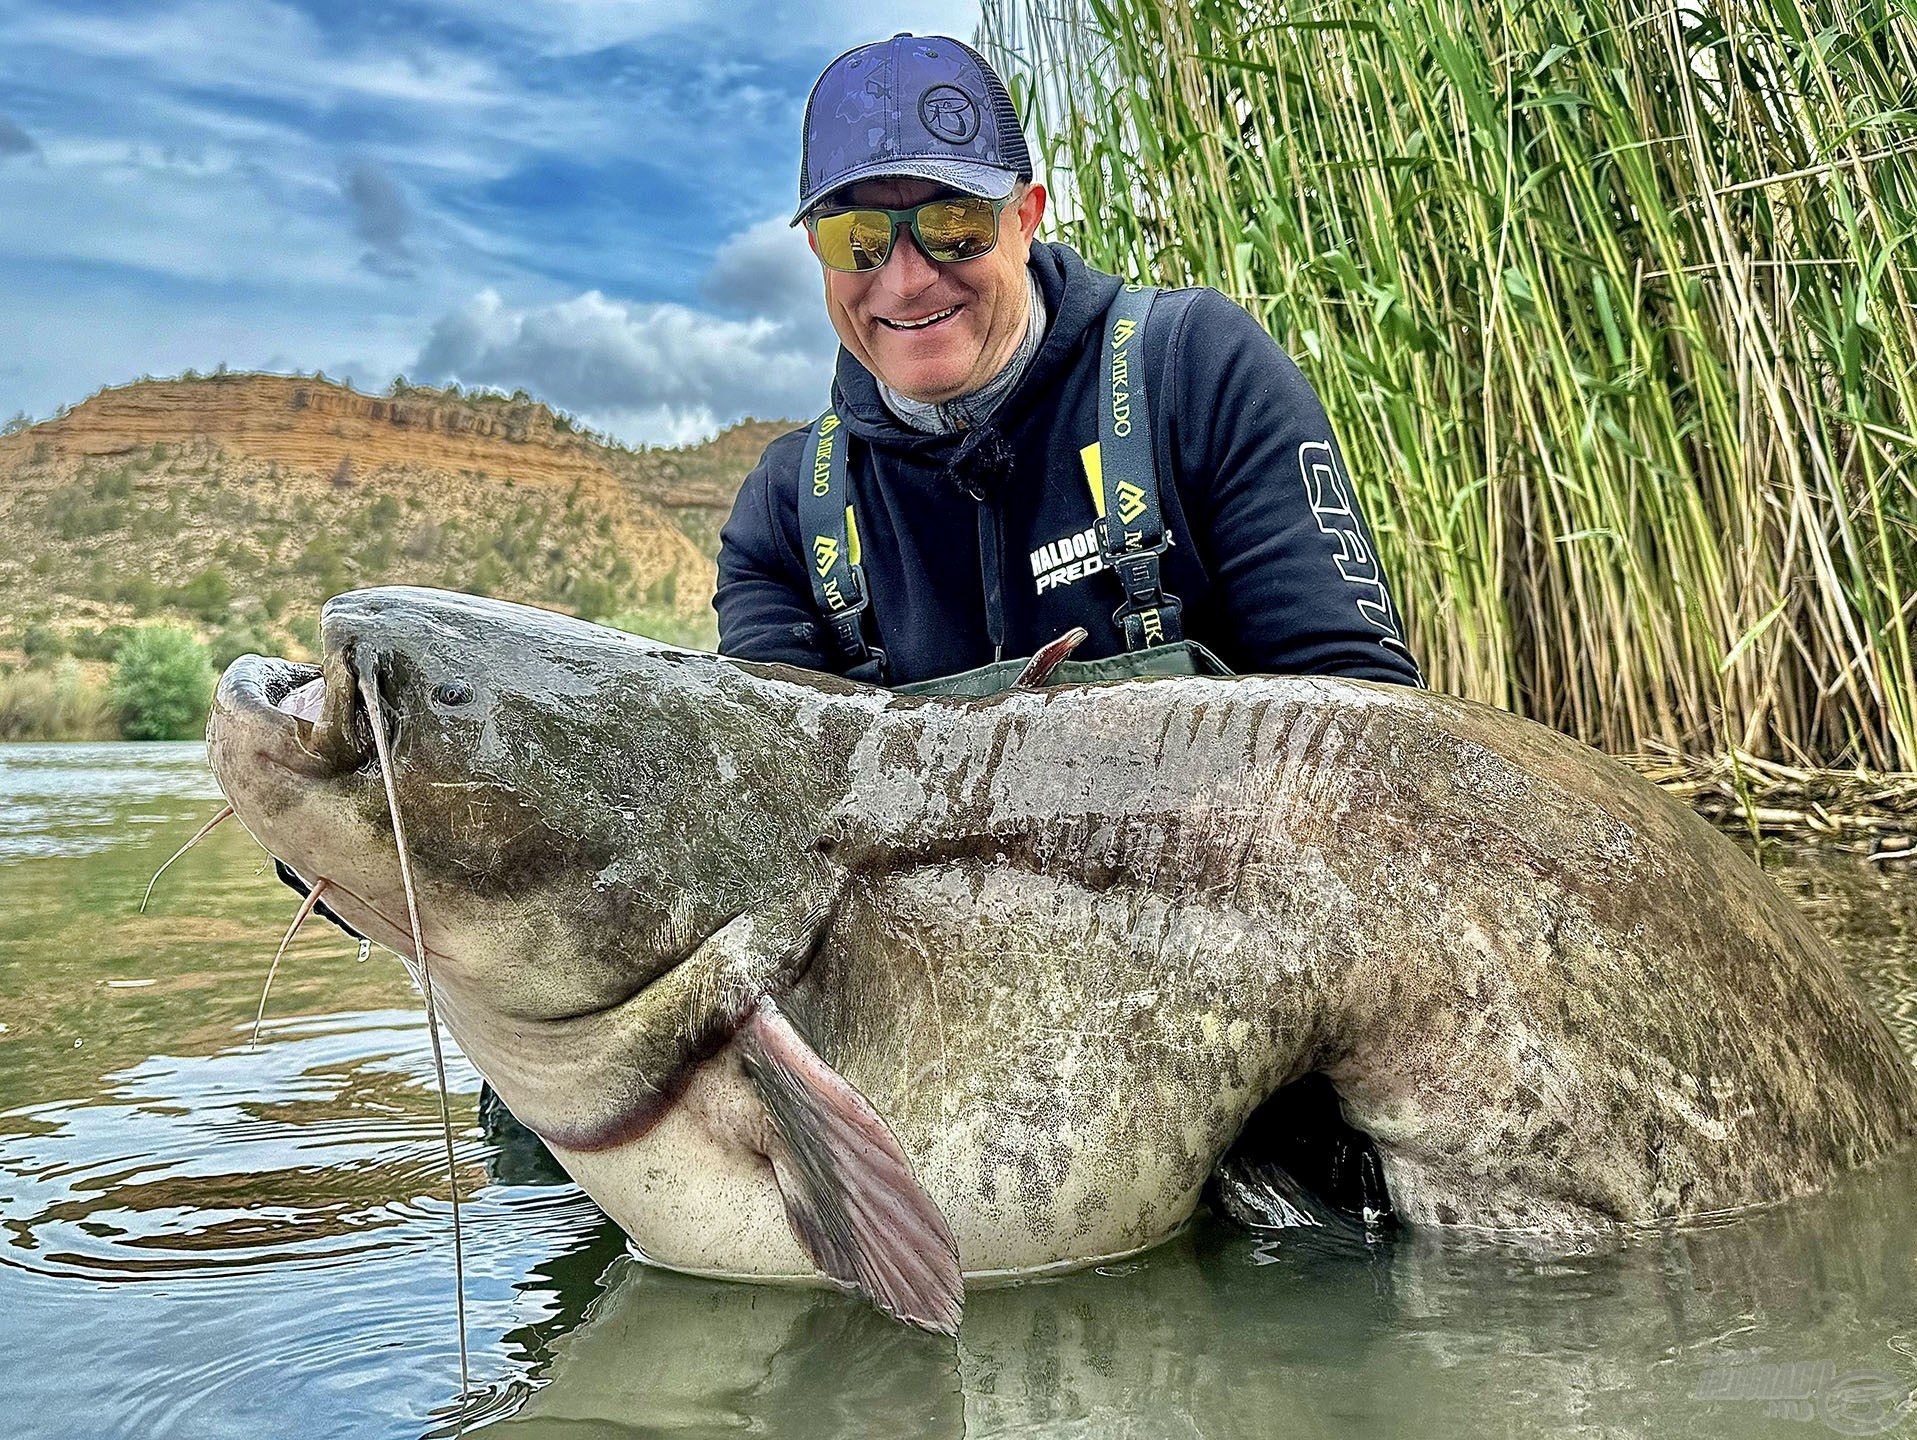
x=306, y=908
x=371, y=696
x=226, y=812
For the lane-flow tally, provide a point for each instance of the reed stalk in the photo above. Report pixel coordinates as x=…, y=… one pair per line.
x=1612, y=307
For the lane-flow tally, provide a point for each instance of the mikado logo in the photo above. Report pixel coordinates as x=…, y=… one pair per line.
x=1131, y=502
x=822, y=456
x=825, y=552
x=1120, y=380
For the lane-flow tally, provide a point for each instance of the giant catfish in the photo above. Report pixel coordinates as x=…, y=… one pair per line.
x=800, y=978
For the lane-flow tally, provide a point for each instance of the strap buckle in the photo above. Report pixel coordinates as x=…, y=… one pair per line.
x=1137, y=569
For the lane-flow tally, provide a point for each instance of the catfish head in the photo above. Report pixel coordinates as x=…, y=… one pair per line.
x=582, y=807
x=612, y=861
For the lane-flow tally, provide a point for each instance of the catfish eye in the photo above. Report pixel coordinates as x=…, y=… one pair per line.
x=452, y=692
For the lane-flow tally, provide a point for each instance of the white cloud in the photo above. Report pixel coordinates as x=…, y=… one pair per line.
x=661, y=373
x=769, y=270
x=381, y=217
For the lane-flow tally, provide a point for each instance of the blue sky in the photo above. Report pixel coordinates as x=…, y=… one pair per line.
x=582, y=197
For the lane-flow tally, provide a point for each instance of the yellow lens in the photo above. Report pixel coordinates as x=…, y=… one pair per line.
x=957, y=229
x=854, y=239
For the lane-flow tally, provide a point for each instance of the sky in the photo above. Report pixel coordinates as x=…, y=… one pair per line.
x=583, y=198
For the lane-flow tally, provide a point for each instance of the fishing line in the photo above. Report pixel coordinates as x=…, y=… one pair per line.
x=371, y=696
x=226, y=812
x=306, y=908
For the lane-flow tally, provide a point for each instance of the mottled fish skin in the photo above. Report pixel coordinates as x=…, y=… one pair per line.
x=1069, y=939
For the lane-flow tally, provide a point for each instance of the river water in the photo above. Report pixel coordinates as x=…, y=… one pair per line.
x=203, y=1237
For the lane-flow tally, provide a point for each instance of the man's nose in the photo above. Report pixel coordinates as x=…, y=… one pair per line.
x=906, y=271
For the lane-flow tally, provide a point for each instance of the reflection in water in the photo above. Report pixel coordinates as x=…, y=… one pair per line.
x=202, y=1238
x=1221, y=1334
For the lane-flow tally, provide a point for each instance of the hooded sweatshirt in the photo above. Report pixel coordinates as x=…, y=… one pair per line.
x=1271, y=560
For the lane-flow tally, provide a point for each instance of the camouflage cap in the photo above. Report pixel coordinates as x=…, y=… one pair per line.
x=923, y=106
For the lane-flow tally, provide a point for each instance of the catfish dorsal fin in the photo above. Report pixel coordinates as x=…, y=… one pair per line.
x=850, y=1194
x=1040, y=667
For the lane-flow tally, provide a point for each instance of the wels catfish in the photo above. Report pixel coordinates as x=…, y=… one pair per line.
x=800, y=978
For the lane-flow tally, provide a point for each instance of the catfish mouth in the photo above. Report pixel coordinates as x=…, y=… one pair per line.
x=303, y=718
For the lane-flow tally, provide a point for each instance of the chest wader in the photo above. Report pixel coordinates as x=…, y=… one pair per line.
x=1122, y=472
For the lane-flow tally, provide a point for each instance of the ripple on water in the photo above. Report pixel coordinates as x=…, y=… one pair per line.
x=76, y=799
x=249, y=1192
x=319, y=1147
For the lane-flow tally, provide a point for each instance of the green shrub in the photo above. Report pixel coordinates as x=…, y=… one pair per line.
x=207, y=595
x=100, y=644
x=162, y=684
x=321, y=560
x=76, y=510
x=141, y=593
x=238, y=640
x=43, y=644
x=488, y=575
x=588, y=596
x=664, y=592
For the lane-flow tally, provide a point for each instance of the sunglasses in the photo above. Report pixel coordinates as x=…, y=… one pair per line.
x=860, y=238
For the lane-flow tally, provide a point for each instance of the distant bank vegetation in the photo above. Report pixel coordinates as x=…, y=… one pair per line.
x=127, y=580
x=1614, y=307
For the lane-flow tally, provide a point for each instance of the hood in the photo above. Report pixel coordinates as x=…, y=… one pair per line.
x=1076, y=297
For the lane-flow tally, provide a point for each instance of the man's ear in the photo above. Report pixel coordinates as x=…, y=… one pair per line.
x=1031, y=209
x=811, y=239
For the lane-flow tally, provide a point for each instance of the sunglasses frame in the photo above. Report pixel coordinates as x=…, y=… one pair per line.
x=907, y=219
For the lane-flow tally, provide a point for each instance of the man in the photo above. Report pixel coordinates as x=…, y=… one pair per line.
x=981, y=391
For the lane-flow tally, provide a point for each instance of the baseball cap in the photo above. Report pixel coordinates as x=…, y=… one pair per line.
x=924, y=106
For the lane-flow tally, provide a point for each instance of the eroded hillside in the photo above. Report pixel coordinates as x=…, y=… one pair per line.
x=239, y=502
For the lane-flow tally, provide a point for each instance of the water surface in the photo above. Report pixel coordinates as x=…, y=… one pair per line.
x=204, y=1237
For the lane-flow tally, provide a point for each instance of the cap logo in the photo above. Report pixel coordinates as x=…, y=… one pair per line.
x=949, y=113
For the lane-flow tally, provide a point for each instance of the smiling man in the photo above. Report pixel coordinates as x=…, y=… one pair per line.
x=1020, y=445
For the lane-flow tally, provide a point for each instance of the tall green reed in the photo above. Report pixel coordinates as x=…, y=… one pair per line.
x=1611, y=306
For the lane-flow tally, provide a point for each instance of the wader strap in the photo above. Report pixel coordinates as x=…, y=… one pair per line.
x=831, y=536
x=1131, y=525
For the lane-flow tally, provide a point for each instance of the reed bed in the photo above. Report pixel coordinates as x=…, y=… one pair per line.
x=1611, y=306
x=1873, y=814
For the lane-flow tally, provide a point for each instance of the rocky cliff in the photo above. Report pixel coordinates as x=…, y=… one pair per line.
x=240, y=499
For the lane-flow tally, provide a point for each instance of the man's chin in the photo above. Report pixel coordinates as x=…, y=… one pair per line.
x=927, y=377
x=932, y=387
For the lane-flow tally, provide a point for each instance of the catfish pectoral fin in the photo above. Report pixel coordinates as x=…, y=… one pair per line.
x=849, y=1191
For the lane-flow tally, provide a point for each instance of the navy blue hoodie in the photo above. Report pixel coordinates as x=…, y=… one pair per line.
x=1269, y=555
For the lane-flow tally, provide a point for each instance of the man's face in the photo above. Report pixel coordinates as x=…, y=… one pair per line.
x=986, y=298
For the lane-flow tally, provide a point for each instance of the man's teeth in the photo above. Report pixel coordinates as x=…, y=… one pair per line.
x=921, y=324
